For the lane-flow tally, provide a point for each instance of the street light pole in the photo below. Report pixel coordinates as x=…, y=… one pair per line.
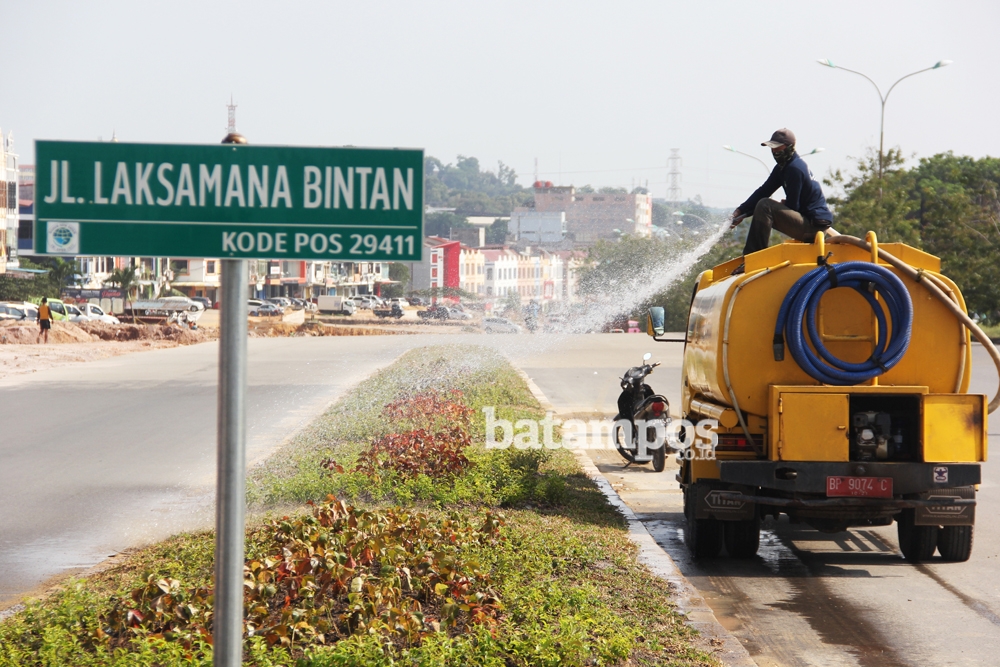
x=883, y=98
x=764, y=164
x=752, y=157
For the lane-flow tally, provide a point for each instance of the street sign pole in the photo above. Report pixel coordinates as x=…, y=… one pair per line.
x=233, y=202
x=227, y=632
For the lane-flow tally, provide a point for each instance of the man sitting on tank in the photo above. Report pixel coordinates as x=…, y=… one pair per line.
x=802, y=212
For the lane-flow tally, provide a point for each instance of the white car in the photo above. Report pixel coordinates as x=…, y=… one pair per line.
x=181, y=303
x=500, y=325
x=93, y=312
x=366, y=301
x=455, y=314
x=18, y=310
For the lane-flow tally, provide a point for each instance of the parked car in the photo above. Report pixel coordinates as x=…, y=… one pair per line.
x=402, y=303
x=394, y=311
x=94, y=312
x=283, y=301
x=16, y=310
x=11, y=313
x=181, y=303
x=500, y=325
x=58, y=310
x=203, y=300
x=434, y=313
x=417, y=301
x=266, y=310
x=456, y=314
x=367, y=301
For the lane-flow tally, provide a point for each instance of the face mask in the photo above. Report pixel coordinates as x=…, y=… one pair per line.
x=783, y=156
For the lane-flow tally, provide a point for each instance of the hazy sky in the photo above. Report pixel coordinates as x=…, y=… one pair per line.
x=598, y=92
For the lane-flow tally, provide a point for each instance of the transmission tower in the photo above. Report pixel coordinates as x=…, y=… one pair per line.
x=674, y=176
x=232, y=115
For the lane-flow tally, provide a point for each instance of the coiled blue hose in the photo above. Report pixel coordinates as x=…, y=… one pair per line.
x=801, y=302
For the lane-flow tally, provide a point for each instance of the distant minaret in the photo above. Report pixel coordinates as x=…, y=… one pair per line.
x=232, y=136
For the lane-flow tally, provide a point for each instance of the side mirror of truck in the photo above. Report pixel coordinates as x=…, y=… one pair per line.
x=654, y=321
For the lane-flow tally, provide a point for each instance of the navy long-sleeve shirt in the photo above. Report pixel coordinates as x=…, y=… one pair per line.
x=802, y=193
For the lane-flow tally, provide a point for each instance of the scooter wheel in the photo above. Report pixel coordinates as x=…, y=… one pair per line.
x=660, y=458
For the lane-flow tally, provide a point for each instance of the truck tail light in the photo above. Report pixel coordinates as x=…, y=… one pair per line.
x=732, y=442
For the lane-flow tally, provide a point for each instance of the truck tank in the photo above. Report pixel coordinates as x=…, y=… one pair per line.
x=847, y=409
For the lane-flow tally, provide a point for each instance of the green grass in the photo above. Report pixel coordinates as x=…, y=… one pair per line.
x=564, y=572
x=993, y=331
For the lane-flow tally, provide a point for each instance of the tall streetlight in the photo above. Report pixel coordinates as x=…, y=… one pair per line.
x=752, y=157
x=764, y=164
x=881, y=131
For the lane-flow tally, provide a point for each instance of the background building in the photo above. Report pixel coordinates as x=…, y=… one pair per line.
x=9, y=207
x=594, y=216
x=533, y=226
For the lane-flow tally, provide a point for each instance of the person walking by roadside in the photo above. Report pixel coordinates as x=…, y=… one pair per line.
x=44, y=320
x=802, y=212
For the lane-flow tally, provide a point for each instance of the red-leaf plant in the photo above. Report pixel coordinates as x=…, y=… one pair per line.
x=338, y=571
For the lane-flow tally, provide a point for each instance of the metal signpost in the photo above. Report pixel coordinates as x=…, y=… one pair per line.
x=234, y=202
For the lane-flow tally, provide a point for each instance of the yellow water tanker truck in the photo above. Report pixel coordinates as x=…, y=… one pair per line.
x=838, y=372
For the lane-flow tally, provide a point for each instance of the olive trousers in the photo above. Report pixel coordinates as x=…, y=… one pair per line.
x=770, y=214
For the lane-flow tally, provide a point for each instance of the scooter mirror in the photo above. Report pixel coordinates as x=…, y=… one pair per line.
x=655, y=321
x=647, y=356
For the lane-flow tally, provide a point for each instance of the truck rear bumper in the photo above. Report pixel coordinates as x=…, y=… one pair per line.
x=900, y=503
x=810, y=477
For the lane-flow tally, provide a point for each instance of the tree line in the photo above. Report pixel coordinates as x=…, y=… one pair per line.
x=946, y=205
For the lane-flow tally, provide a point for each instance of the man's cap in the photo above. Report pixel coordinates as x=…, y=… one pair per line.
x=782, y=137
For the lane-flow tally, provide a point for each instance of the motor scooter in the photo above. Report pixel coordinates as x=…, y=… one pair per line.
x=639, y=407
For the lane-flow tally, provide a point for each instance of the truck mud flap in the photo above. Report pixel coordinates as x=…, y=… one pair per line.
x=947, y=515
x=723, y=501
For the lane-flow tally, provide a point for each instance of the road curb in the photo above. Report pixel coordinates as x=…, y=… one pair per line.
x=714, y=638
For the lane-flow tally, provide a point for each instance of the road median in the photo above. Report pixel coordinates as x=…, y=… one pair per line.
x=385, y=533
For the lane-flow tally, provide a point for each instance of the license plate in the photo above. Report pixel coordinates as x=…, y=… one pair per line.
x=860, y=487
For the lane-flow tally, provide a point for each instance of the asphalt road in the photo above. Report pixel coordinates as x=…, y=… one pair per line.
x=808, y=598
x=115, y=453
x=100, y=456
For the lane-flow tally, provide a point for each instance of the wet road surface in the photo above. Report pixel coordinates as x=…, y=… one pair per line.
x=808, y=598
x=114, y=453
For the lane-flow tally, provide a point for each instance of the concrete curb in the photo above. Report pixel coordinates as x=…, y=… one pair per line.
x=714, y=638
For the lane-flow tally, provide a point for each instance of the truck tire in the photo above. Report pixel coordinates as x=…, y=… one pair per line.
x=703, y=537
x=742, y=538
x=660, y=458
x=916, y=542
x=955, y=543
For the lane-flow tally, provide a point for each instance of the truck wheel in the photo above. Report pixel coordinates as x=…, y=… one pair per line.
x=916, y=542
x=660, y=458
x=702, y=536
x=742, y=537
x=955, y=543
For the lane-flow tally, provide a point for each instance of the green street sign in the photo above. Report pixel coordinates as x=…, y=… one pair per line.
x=228, y=201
